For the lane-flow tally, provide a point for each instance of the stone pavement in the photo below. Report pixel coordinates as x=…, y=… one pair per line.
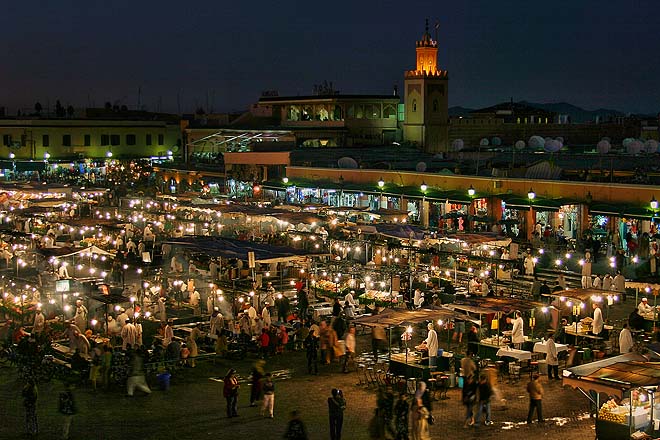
x=194, y=408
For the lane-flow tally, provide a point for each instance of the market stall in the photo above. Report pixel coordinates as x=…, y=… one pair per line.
x=646, y=290
x=577, y=303
x=629, y=382
x=411, y=363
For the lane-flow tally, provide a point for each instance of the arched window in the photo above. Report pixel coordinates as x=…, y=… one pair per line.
x=435, y=105
x=414, y=107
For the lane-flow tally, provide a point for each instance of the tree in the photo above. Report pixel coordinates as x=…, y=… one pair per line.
x=38, y=108
x=59, y=109
x=107, y=106
x=70, y=111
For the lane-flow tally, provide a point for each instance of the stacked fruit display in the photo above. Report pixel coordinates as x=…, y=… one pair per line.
x=610, y=412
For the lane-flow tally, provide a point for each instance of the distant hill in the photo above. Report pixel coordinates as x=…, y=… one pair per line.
x=459, y=111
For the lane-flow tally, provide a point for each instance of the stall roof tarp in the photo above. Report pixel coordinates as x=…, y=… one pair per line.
x=69, y=251
x=495, y=305
x=394, y=318
x=615, y=375
x=583, y=295
x=483, y=238
x=231, y=248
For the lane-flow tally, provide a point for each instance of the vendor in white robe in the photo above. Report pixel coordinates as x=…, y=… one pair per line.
x=80, y=318
x=597, y=324
x=349, y=298
x=645, y=309
x=625, y=340
x=265, y=316
x=517, y=333
x=39, y=323
x=128, y=335
x=431, y=344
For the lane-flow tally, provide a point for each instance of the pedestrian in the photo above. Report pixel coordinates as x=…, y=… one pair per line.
x=469, y=397
x=230, y=392
x=485, y=392
x=535, y=391
x=336, y=407
x=67, y=407
x=136, y=376
x=295, y=430
x=30, y=394
x=255, y=381
x=552, y=358
x=401, y=409
x=350, y=347
x=420, y=421
x=312, y=347
x=268, y=389
x=377, y=340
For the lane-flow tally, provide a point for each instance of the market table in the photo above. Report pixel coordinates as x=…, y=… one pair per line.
x=415, y=366
x=542, y=347
x=521, y=355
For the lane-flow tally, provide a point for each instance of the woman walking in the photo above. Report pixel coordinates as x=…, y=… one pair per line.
x=30, y=395
x=469, y=396
x=420, y=421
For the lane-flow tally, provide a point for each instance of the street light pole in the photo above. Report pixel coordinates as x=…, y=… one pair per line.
x=381, y=185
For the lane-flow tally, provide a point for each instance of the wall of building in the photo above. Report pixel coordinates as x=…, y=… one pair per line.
x=599, y=192
x=69, y=138
x=472, y=130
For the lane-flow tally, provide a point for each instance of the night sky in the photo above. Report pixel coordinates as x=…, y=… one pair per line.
x=182, y=54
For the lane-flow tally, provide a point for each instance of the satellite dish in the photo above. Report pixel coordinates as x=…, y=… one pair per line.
x=627, y=141
x=457, y=145
x=561, y=140
x=421, y=167
x=603, y=146
x=551, y=146
x=519, y=145
x=651, y=146
x=484, y=142
x=634, y=147
x=347, y=162
x=536, y=142
x=496, y=141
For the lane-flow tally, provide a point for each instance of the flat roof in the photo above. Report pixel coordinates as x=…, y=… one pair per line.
x=275, y=99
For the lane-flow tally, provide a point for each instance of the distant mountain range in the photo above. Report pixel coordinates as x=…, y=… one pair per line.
x=577, y=114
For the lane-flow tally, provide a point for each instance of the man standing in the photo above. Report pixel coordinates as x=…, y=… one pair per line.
x=552, y=358
x=607, y=282
x=597, y=324
x=336, y=407
x=350, y=347
x=230, y=391
x=517, y=334
x=620, y=283
x=625, y=340
x=194, y=301
x=80, y=318
x=535, y=391
x=598, y=282
x=312, y=348
x=269, y=396
x=67, y=407
x=39, y=323
x=431, y=344
x=128, y=335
